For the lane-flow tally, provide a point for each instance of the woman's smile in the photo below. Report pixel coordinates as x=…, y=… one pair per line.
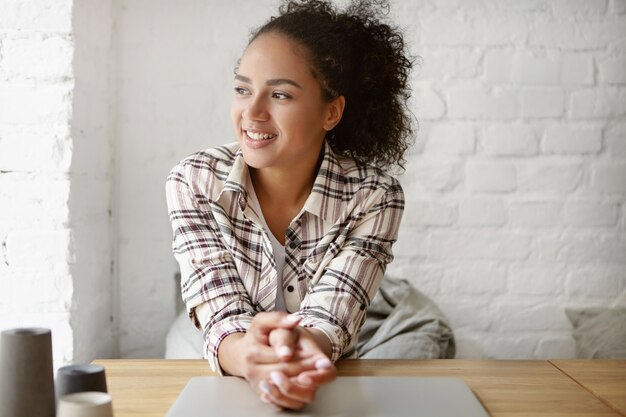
x=258, y=139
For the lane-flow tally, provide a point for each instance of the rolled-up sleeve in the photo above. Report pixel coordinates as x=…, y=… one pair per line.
x=336, y=303
x=209, y=277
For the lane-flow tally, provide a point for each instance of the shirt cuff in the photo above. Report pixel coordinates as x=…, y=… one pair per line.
x=339, y=340
x=215, y=334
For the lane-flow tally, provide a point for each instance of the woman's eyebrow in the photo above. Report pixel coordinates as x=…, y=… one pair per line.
x=272, y=82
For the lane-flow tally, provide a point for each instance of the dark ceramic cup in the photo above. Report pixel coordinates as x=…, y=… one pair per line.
x=80, y=378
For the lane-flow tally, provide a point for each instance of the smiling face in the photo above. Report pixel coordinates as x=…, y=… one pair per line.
x=277, y=110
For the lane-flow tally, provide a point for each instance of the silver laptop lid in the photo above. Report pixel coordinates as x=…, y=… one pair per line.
x=346, y=396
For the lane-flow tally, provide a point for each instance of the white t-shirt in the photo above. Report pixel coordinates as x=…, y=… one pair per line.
x=278, y=249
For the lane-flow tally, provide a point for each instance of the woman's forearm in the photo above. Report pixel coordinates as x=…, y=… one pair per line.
x=230, y=354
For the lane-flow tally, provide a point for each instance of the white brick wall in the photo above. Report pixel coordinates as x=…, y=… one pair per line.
x=540, y=198
x=50, y=262
x=515, y=189
x=36, y=83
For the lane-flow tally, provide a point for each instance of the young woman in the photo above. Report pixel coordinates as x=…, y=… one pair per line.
x=283, y=237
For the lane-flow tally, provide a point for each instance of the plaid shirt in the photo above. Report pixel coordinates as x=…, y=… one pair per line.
x=337, y=247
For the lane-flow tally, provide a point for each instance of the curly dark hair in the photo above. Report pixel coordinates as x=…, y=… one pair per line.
x=355, y=55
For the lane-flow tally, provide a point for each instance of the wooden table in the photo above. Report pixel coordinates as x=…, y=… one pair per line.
x=605, y=379
x=505, y=388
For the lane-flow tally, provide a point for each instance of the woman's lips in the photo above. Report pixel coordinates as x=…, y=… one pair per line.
x=258, y=139
x=259, y=135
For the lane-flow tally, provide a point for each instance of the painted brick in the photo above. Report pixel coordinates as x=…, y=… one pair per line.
x=509, y=347
x=537, y=279
x=541, y=6
x=31, y=104
x=425, y=278
x=35, y=15
x=541, y=104
x=572, y=139
x=27, y=201
x=548, y=176
x=34, y=148
x=44, y=287
x=448, y=63
x=480, y=279
x=594, y=283
x=598, y=104
x=479, y=244
x=596, y=8
x=467, y=315
x=38, y=56
x=429, y=213
x=18, y=212
x=491, y=176
x=412, y=242
x=472, y=102
x=591, y=214
x=430, y=105
x=477, y=211
x=577, y=69
x=442, y=29
x=615, y=138
x=609, y=177
x=583, y=250
x=613, y=71
x=535, y=214
x=451, y=139
x=576, y=35
x=436, y=174
x=510, y=140
x=525, y=317
x=499, y=66
x=503, y=66
x=25, y=247
x=509, y=29
x=533, y=70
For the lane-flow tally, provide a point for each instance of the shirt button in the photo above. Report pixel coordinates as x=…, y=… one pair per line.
x=293, y=245
x=290, y=288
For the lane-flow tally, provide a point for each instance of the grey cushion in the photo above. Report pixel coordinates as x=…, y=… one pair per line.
x=402, y=323
x=599, y=332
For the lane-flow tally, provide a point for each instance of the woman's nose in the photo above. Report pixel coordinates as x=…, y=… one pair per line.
x=256, y=110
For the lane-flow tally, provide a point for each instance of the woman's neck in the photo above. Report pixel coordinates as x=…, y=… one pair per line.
x=287, y=187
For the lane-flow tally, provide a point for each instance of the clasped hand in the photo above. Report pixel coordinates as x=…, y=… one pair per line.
x=284, y=363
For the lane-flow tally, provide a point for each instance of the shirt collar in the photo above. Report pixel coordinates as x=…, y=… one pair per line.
x=237, y=179
x=326, y=195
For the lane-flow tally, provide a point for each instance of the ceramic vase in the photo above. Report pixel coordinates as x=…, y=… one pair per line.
x=26, y=376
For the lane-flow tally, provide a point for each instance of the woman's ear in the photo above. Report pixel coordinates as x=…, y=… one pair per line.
x=335, y=111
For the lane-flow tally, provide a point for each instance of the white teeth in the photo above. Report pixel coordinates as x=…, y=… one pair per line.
x=259, y=136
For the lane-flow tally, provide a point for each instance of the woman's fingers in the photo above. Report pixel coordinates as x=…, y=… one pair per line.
x=261, y=354
x=264, y=323
x=285, y=392
x=284, y=342
x=317, y=377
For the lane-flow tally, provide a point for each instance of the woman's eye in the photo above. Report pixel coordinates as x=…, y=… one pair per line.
x=241, y=91
x=280, y=96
